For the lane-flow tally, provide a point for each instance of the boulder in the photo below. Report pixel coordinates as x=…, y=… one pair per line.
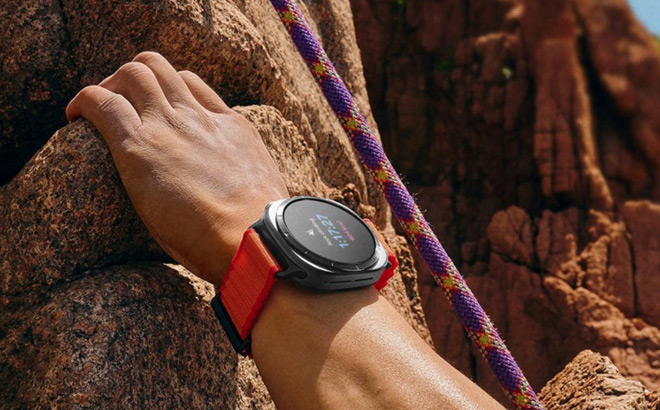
x=92, y=312
x=591, y=381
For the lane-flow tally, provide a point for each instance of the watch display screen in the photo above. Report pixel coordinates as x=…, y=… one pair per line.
x=329, y=231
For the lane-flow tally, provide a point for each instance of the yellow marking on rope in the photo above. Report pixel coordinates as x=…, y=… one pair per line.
x=381, y=175
x=484, y=340
x=288, y=17
x=319, y=68
x=521, y=400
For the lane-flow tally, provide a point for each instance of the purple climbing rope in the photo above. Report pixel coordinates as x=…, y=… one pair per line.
x=470, y=313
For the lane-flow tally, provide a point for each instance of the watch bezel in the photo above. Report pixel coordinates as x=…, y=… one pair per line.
x=304, y=250
x=309, y=269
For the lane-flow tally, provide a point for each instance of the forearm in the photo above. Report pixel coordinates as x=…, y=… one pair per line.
x=352, y=350
x=199, y=174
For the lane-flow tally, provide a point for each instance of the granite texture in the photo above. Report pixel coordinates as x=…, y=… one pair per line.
x=92, y=313
x=65, y=213
x=530, y=131
x=138, y=336
x=591, y=382
x=86, y=323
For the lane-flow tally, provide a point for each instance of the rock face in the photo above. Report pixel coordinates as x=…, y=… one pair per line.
x=531, y=131
x=532, y=128
x=591, y=381
x=92, y=312
x=654, y=399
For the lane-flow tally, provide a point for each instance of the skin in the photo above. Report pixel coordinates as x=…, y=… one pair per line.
x=198, y=175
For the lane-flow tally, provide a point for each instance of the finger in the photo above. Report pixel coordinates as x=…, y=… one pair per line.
x=138, y=84
x=175, y=89
x=203, y=93
x=111, y=113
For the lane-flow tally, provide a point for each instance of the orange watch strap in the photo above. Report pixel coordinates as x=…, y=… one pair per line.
x=249, y=279
x=248, y=282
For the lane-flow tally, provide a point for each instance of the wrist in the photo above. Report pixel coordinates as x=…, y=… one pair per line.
x=299, y=343
x=218, y=245
x=292, y=311
x=315, y=243
x=351, y=350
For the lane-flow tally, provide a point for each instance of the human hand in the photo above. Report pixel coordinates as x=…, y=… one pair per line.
x=197, y=172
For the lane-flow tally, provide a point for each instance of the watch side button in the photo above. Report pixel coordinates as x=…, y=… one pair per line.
x=291, y=273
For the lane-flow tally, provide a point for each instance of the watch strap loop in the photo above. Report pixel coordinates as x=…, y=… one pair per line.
x=391, y=258
x=248, y=281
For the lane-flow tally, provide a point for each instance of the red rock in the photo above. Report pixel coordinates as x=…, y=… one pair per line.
x=654, y=399
x=643, y=220
x=37, y=71
x=90, y=313
x=529, y=125
x=537, y=125
x=591, y=381
x=510, y=235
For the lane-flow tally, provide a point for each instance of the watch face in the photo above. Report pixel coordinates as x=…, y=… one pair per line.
x=329, y=231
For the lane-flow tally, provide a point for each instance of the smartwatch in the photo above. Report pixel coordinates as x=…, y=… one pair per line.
x=317, y=243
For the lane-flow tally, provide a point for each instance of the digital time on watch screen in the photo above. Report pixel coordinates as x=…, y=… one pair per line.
x=329, y=231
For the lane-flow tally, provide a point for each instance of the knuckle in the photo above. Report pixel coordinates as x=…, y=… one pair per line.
x=192, y=118
x=133, y=70
x=109, y=103
x=148, y=56
x=87, y=92
x=187, y=74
